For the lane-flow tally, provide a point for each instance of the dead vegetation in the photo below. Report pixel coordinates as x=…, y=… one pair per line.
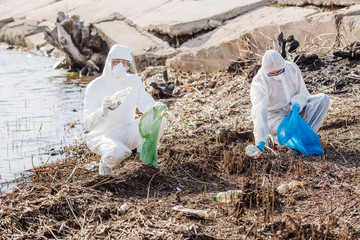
x=202, y=153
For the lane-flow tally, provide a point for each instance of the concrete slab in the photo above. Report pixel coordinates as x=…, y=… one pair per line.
x=251, y=32
x=17, y=9
x=146, y=48
x=35, y=41
x=168, y=17
x=15, y=32
x=179, y=17
x=349, y=20
x=257, y=31
x=343, y=3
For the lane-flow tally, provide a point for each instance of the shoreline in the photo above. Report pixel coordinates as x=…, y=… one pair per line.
x=209, y=44
x=198, y=162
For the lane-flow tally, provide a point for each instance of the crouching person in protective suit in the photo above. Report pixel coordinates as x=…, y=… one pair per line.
x=113, y=129
x=278, y=88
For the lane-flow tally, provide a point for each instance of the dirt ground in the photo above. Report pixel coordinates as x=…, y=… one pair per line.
x=202, y=153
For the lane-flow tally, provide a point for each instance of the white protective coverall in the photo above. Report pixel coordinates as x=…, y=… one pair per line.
x=272, y=97
x=113, y=134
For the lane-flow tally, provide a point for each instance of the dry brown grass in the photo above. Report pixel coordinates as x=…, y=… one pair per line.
x=195, y=163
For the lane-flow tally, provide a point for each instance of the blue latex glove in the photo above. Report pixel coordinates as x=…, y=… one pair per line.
x=296, y=107
x=261, y=146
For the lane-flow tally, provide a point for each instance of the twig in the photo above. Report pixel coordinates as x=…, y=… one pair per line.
x=70, y=178
x=148, y=188
x=52, y=233
x=105, y=181
x=339, y=153
x=67, y=200
x=269, y=148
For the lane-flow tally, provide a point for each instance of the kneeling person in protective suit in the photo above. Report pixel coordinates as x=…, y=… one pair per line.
x=278, y=88
x=114, y=131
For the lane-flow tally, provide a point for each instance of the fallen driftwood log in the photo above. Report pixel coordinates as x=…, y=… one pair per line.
x=85, y=51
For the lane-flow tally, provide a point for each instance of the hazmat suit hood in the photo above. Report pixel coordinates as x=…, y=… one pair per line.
x=117, y=51
x=272, y=60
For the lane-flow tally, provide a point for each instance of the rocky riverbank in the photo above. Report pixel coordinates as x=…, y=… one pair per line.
x=194, y=36
x=202, y=151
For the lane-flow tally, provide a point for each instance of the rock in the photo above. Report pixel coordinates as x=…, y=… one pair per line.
x=47, y=49
x=342, y=3
x=168, y=17
x=348, y=20
x=249, y=34
x=146, y=48
x=214, y=23
x=14, y=33
x=47, y=24
x=35, y=41
x=6, y=21
x=171, y=19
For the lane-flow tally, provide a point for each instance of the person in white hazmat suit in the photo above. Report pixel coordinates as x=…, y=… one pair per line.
x=275, y=90
x=114, y=133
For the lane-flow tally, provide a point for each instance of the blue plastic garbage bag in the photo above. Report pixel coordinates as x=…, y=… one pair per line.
x=149, y=127
x=296, y=133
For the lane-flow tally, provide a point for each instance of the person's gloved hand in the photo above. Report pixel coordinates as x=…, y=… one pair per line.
x=261, y=146
x=296, y=107
x=106, y=104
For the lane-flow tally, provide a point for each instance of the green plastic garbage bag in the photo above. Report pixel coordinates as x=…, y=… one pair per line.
x=149, y=127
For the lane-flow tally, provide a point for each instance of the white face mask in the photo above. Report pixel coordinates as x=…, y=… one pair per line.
x=119, y=70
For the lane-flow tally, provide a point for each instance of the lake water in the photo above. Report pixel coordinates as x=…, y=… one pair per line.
x=38, y=106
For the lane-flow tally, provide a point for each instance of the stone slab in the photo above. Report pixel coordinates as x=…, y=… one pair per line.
x=15, y=32
x=174, y=17
x=146, y=48
x=35, y=41
x=343, y=3
x=349, y=22
x=252, y=34
x=179, y=17
x=219, y=48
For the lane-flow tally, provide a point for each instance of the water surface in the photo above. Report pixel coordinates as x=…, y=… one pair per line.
x=38, y=107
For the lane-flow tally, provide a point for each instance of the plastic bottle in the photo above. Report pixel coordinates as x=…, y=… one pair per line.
x=119, y=97
x=284, y=188
x=228, y=196
x=123, y=209
x=193, y=212
x=252, y=151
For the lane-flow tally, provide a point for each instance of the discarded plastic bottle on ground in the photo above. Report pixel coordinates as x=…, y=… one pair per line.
x=119, y=97
x=123, y=209
x=252, y=151
x=284, y=188
x=193, y=212
x=228, y=196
